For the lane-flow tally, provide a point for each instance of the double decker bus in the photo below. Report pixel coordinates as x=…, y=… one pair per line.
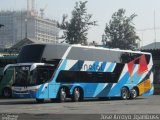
x=6, y=80
x=58, y=71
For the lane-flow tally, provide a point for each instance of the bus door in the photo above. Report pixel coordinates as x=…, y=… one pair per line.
x=44, y=75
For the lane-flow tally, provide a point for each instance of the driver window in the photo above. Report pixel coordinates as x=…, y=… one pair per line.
x=42, y=75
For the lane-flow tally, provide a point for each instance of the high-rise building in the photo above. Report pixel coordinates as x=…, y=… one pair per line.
x=21, y=24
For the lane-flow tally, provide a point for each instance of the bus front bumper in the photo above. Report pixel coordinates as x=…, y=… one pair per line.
x=24, y=94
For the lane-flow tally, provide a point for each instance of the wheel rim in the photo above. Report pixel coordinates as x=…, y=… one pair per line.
x=63, y=94
x=134, y=93
x=76, y=94
x=124, y=94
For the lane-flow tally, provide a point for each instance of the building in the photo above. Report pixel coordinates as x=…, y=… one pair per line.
x=17, y=47
x=23, y=24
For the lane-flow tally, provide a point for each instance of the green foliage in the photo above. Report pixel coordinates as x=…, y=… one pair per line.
x=76, y=30
x=120, y=32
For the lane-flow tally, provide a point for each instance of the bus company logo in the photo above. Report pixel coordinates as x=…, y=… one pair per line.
x=93, y=67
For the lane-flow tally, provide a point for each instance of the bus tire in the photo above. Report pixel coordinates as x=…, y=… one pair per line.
x=39, y=100
x=77, y=94
x=134, y=93
x=124, y=93
x=7, y=92
x=62, y=95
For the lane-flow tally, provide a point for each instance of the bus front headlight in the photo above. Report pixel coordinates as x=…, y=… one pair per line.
x=34, y=90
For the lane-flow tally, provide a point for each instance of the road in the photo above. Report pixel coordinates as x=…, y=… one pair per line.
x=29, y=107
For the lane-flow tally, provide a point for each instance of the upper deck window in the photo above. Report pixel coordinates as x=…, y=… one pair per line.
x=31, y=53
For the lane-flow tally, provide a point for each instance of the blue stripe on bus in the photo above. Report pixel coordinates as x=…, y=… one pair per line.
x=74, y=67
x=100, y=86
x=115, y=90
x=103, y=65
x=80, y=64
x=91, y=86
x=94, y=68
x=90, y=89
x=110, y=68
x=104, y=91
x=77, y=66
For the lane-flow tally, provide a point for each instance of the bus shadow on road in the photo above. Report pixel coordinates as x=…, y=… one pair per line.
x=111, y=99
x=13, y=101
x=16, y=101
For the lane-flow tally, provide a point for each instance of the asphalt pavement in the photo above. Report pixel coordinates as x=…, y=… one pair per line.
x=90, y=109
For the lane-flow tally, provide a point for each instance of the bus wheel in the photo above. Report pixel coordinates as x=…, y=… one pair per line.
x=40, y=100
x=62, y=95
x=124, y=93
x=77, y=94
x=134, y=93
x=7, y=92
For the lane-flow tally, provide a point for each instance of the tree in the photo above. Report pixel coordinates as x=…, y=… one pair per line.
x=76, y=30
x=120, y=32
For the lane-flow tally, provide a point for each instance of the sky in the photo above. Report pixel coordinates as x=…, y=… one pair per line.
x=102, y=10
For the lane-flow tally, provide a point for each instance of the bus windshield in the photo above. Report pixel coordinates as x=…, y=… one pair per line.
x=21, y=75
x=40, y=75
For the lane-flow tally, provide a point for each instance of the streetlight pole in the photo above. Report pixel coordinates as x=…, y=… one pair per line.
x=26, y=28
x=154, y=31
x=103, y=39
x=1, y=25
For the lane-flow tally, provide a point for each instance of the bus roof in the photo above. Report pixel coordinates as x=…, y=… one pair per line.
x=49, y=53
x=93, y=47
x=111, y=49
